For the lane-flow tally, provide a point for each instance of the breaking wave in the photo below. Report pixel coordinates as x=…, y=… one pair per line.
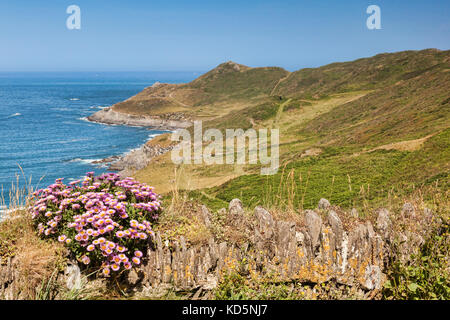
x=14, y=115
x=85, y=161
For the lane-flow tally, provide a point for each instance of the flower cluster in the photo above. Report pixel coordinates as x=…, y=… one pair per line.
x=104, y=220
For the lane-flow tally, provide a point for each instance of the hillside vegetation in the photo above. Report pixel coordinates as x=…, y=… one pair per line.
x=375, y=72
x=372, y=136
x=230, y=86
x=357, y=132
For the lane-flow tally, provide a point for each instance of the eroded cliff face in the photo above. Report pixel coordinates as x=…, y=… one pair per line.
x=319, y=249
x=138, y=159
x=109, y=116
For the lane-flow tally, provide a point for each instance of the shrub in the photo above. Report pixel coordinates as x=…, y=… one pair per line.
x=234, y=286
x=104, y=221
x=427, y=275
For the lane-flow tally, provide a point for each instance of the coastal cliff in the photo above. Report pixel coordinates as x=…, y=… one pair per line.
x=139, y=158
x=109, y=116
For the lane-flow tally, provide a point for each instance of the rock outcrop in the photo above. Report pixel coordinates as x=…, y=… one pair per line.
x=109, y=116
x=139, y=158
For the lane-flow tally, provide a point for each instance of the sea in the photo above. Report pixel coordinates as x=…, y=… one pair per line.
x=44, y=134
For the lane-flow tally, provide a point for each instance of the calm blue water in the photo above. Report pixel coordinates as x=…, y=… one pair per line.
x=42, y=127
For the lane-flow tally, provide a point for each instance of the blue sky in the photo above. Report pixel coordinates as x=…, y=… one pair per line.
x=196, y=35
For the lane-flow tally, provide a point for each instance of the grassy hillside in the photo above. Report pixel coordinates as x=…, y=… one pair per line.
x=365, y=134
x=229, y=86
x=363, y=74
x=408, y=109
x=361, y=181
x=357, y=132
x=235, y=82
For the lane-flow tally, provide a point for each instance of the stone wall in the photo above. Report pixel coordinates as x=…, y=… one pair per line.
x=9, y=280
x=317, y=250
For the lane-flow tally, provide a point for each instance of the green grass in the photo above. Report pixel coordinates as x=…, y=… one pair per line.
x=426, y=275
x=225, y=81
x=241, y=119
x=347, y=181
x=236, y=287
x=211, y=95
x=410, y=110
x=362, y=74
x=331, y=110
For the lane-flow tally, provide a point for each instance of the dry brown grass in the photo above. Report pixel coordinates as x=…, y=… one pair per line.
x=34, y=259
x=159, y=171
x=406, y=145
x=160, y=174
x=182, y=217
x=432, y=197
x=311, y=152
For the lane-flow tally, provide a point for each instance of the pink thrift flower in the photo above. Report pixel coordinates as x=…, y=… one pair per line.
x=106, y=272
x=127, y=265
x=115, y=267
x=86, y=260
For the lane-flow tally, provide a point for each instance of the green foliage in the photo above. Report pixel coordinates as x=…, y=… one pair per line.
x=362, y=74
x=8, y=238
x=234, y=286
x=105, y=220
x=241, y=119
x=408, y=110
x=225, y=81
x=427, y=276
x=48, y=288
x=51, y=289
x=365, y=180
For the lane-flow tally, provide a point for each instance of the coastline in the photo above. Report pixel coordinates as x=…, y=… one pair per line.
x=138, y=158
x=111, y=117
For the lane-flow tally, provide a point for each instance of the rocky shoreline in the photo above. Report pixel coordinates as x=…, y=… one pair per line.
x=111, y=117
x=138, y=158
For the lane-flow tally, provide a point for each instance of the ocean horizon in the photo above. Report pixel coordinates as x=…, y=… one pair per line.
x=43, y=126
